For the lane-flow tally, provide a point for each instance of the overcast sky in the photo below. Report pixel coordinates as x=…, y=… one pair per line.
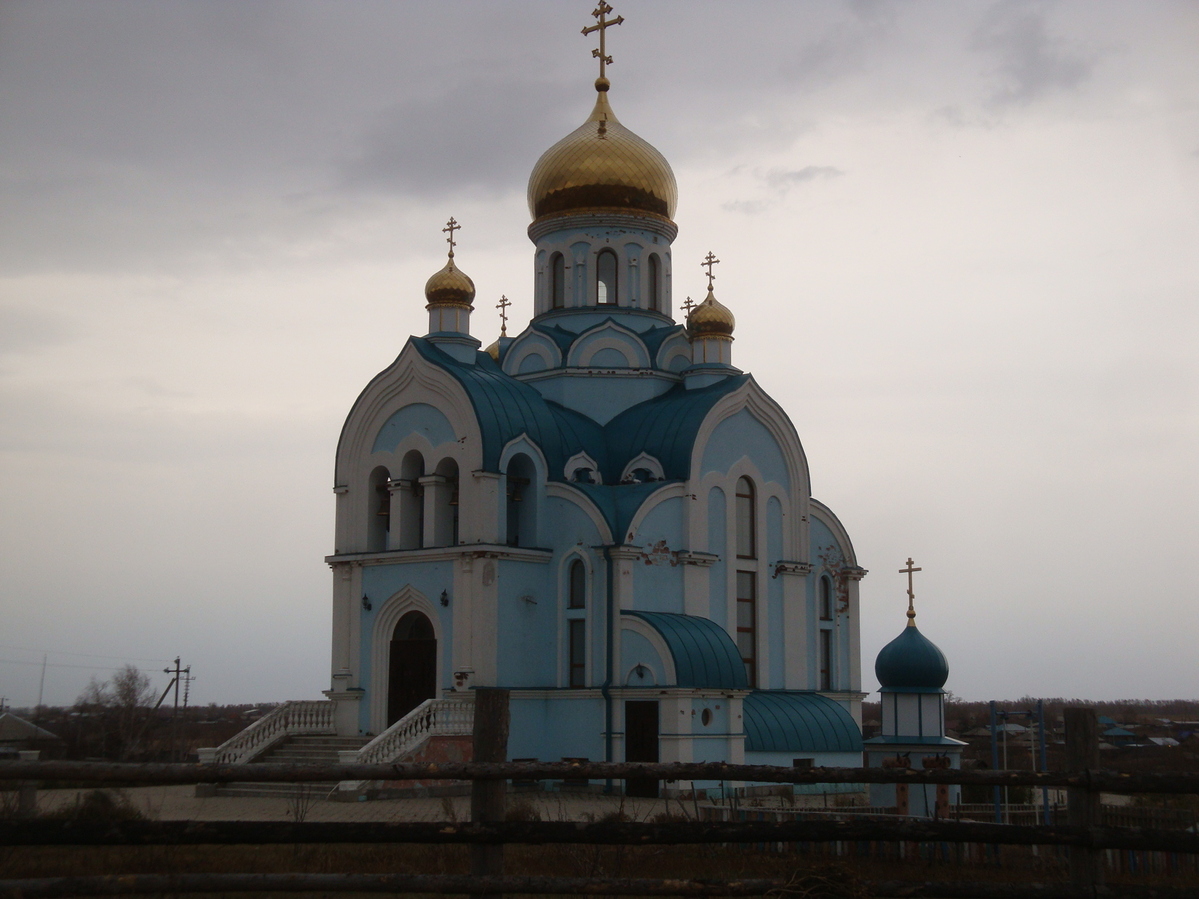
x=959, y=239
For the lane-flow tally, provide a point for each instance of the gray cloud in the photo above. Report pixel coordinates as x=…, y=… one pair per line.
x=1032, y=62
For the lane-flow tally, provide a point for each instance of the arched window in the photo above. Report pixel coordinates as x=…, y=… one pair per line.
x=446, y=504
x=412, y=502
x=655, y=283
x=605, y=277
x=826, y=659
x=826, y=598
x=746, y=520
x=522, y=501
x=378, y=502
x=747, y=624
x=557, y=281
x=583, y=475
x=577, y=597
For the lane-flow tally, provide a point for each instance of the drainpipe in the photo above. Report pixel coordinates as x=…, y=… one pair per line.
x=605, y=689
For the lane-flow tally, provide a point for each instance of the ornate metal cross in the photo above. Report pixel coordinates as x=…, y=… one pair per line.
x=688, y=305
x=451, y=226
x=709, y=261
x=909, y=571
x=603, y=23
x=503, y=305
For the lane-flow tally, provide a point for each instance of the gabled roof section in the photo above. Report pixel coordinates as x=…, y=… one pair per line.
x=665, y=427
x=705, y=656
x=793, y=721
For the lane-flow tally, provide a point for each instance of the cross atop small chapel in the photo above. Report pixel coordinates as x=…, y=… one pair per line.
x=503, y=305
x=451, y=226
x=603, y=23
x=709, y=261
x=688, y=305
x=909, y=571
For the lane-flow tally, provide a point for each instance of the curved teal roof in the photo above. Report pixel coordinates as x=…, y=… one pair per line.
x=786, y=721
x=911, y=663
x=704, y=654
x=665, y=427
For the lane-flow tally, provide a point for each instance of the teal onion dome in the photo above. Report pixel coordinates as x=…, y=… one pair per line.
x=911, y=662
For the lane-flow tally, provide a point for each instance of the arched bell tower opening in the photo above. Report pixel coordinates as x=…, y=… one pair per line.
x=412, y=665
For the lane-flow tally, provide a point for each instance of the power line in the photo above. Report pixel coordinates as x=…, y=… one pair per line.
x=60, y=665
x=91, y=655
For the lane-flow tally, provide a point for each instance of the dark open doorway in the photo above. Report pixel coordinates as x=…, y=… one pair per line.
x=412, y=675
x=641, y=744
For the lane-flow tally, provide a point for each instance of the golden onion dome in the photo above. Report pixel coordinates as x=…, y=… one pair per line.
x=602, y=165
x=494, y=350
x=711, y=318
x=450, y=287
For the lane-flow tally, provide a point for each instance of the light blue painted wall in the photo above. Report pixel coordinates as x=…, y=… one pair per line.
x=550, y=729
x=637, y=650
x=658, y=578
x=743, y=435
x=718, y=573
x=415, y=418
x=776, y=636
x=527, y=651
x=380, y=583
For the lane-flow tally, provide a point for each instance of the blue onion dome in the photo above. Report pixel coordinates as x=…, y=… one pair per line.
x=911, y=662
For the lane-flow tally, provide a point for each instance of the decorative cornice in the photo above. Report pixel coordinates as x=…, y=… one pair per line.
x=784, y=566
x=601, y=218
x=442, y=554
x=691, y=557
x=854, y=572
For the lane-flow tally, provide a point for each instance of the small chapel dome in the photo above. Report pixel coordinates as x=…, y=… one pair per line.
x=602, y=165
x=911, y=662
x=711, y=318
x=450, y=287
x=494, y=350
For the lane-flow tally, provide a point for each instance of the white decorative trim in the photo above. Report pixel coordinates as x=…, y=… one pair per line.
x=582, y=460
x=642, y=627
x=644, y=460
x=608, y=335
x=441, y=554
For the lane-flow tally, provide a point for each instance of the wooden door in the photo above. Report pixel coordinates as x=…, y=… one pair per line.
x=641, y=744
x=412, y=674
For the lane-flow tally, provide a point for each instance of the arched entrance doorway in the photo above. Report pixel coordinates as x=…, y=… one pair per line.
x=412, y=672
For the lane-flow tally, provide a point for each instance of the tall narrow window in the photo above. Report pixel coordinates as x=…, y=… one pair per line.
x=655, y=283
x=577, y=638
x=826, y=659
x=557, y=281
x=826, y=598
x=578, y=586
x=746, y=520
x=747, y=624
x=605, y=277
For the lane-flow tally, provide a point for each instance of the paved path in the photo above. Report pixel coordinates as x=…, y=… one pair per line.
x=179, y=803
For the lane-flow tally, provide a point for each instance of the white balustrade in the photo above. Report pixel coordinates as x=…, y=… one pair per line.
x=305, y=716
x=452, y=716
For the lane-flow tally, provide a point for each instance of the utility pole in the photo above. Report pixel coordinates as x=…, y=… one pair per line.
x=177, y=673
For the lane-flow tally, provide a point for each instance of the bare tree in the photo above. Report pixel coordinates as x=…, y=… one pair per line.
x=117, y=711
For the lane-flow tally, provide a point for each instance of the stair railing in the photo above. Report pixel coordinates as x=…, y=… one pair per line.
x=303, y=716
x=452, y=716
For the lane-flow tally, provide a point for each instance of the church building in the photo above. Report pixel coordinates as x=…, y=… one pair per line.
x=602, y=514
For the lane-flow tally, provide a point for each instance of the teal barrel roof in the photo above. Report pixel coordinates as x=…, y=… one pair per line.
x=665, y=427
x=911, y=663
x=704, y=654
x=791, y=721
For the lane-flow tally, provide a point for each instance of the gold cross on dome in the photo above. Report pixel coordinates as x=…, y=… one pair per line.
x=709, y=261
x=503, y=305
x=451, y=226
x=688, y=304
x=603, y=23
x=909, y=571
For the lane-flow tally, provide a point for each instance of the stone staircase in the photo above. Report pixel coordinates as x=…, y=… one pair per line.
x=297, y=749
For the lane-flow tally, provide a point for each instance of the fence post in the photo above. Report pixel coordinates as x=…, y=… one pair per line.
x=487, y=796
x=1082, y=754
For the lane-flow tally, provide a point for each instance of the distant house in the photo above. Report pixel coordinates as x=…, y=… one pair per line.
x=17, y=734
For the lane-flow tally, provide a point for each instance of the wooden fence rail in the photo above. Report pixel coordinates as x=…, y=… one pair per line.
x=674, y=833
x=94, y=773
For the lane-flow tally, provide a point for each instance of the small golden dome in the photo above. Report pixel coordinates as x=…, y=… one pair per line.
x=494, y=351
x=602, y=165
x=711, y=318
x=450, y=286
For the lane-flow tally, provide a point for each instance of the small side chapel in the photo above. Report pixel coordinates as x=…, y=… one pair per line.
x=602, y=513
